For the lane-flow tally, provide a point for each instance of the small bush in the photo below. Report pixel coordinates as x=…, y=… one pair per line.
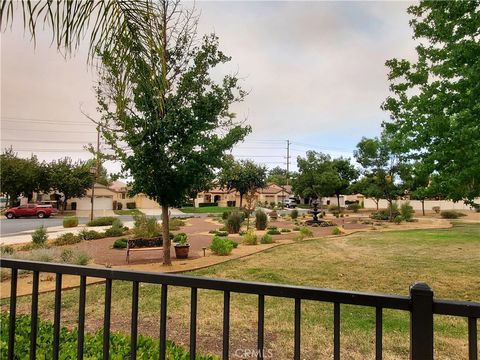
x=146, y=227
x=294, y=214
x=85, y=234
x=234, y=222
x=175, y=224
x=284, y=230
x=306, y=232
x=266, y=239
x=66, y=256
x=449, y=214
x=406, y=211
x=398, y=219
x=131, y=205
x=226, y=214
x=221, y=233
x=381, y=215
x=336, y=231
x=327, y=223
x=102, y=221
x=180, y=239
x=70, y=221
x=43, y=255
x=66, y=239
x=273, y=232
x=39, y=237
x=250, y=238
x=354, y=207
x=234, y=243
x=120, y=243
x=114, y=231
x=436, y=209
x=261, y=220
x=221, y=246
x=6, y=249
x=82, y=258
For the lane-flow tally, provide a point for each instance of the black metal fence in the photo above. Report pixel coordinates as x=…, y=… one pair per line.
x=420, y=304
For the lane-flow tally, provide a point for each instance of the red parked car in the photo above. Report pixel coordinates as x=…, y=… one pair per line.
x=40, y=211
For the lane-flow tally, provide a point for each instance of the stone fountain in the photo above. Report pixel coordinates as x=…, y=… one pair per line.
x=315, y=213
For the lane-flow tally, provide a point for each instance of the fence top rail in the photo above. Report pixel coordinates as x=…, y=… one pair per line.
x=285, y=291
x=457, y=308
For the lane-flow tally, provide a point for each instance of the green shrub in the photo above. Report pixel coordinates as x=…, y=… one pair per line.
x=70, y=221
x=266, y=239
x=102, y=221
x=119, y=343
x=212, y=232
x=221, y=246
x=336, y=231
x=294, y=214
x=250, y=238
x=226, y=214
x=221, y=233
x=234, y=222
x=120, y=243
x=85, y=234
x=398, y=219
x=114, y=232
x=82, y=258
x=261, y=220
x=6, y=249
x=273, y=232
x=146, y=227
x=381, y=215
x=306, y=232
x=39, y=237
x=207, y=204
x=234, y=243
x=175, y=224
x=284, y=230
x=66, y=256
x=327, y=223
x=449, y=214
x=272, y=228
x=43, y=255
x=66, y=239
x=406, y=211
x=131, y=205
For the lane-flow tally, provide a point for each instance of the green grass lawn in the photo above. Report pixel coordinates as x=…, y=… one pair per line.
x=128, y=212
x=385, y=262
x=205, y=210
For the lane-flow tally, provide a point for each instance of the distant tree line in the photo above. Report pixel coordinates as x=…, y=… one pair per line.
x=26, y=176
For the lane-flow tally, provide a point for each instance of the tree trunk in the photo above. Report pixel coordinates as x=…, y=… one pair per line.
x=390, y=207
x=241, y=200
x=423, y=207
x=376, y=203
x=166, y=236
x=65, y=204
x=338, y=201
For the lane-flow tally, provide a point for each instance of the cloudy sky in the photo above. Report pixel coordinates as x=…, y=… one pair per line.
x=314, y=71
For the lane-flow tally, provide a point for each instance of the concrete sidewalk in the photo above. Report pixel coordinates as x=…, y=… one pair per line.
x=52, y=232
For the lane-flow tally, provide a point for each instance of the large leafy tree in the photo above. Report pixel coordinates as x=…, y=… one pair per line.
x=278, y=176
x=70, y=178
x=316, y=176
x=21, y=176
x=163, y=114
x=435, y=101
x=345, y=175
x=381, y=167
x=243, y=176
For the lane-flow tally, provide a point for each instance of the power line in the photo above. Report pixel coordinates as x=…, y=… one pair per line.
x=50, y=131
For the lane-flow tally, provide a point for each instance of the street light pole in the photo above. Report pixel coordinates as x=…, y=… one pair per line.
x=93, y=171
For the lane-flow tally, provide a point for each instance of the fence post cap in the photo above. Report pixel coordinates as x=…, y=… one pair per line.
x=420, y=288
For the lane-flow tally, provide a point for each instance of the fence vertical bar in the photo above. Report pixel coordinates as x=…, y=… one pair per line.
x=163, y=322
x=81, y=316
x=296, y=354
x=13, y=314
x=261, y=326
x=421, y=322
x=472, y=339
x=336, y=331
x=193, y=323
x=106, y=319
x=134, y=325
x=34, y=316
x=378, y=333
x=56, y=316
x=226, y=324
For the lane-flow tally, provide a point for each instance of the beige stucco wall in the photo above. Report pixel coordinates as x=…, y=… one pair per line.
x=417, y=205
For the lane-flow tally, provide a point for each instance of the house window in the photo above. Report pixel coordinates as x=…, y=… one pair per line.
x=123, y=196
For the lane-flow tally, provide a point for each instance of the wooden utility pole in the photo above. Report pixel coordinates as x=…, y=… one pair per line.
x=94, y=172
x=288, y=158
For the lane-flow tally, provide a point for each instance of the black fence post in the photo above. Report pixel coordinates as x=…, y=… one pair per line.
x=421, y=322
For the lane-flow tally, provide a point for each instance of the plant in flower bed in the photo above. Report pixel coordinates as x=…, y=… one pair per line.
x=327, y=223
x=284, y=230
x=273, y=230
x=221, y=246
x=336, y=231
x=66, y=239
x=85, y=234
x=451, y=214
x=305, y=232
x=116, y=229
x=70, y=221
x=146, y=227
x=120, y=243
x=221, y=233
x=147, y=348
x=234, y=222
x=261, y=220
x=266, y=239
x=39, y=237
x=102, y=221
x=176, y=224
x=250, y=238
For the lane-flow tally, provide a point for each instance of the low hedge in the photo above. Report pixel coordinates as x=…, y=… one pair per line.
x=207, y=204
x=102, y=221
x=147, y=348
x=70, y=221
